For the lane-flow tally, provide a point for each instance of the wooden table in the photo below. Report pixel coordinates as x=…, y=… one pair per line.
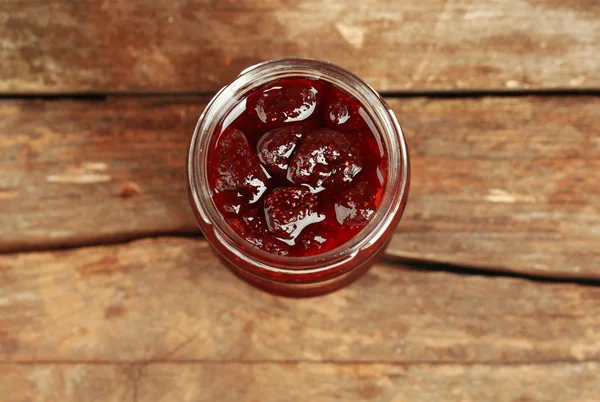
x=489, y=290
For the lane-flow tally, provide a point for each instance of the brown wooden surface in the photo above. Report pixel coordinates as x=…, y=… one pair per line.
x=67, y=383
x=169, y=299
x=502, y=183
x=266, y=382
x=54, y=46
x=138, y=309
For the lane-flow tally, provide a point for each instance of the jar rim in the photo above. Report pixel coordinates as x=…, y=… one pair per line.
x=395, y=189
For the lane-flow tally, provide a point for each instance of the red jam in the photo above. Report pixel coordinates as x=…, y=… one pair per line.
x=296, y=168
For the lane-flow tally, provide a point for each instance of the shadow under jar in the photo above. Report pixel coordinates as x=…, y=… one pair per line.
x=298, y=174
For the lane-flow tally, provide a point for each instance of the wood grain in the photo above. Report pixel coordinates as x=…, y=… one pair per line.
x=55, y=46
x=501, y=183
x=66, y=383
x=169, y=299
x=355, y=382
x=264, y=382
x=93, y=171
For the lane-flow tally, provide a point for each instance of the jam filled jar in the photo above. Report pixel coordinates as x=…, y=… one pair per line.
x=298, y=174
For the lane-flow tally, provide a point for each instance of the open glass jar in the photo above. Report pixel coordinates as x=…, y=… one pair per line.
x=299, y=275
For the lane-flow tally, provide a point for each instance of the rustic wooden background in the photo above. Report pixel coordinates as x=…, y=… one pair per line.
x=490, y=290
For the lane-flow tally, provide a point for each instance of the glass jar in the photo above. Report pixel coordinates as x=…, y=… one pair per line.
x=321, y=273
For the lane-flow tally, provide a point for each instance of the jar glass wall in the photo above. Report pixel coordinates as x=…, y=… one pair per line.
x=300, y=275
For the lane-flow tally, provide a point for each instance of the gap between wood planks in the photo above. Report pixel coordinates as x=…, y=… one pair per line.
x=409, y=263
x=457, y=93
x=491, y=363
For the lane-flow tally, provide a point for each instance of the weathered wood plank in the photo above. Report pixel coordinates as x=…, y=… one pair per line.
x=379, y=383
x=66, y=383
x=264, y=382
x=169, y=299
x=105, y=168
x=54, y=46
x=503, y=183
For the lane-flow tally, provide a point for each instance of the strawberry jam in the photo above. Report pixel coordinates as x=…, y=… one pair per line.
x=295, y=167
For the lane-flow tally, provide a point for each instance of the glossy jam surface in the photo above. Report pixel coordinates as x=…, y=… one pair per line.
x=297, y=168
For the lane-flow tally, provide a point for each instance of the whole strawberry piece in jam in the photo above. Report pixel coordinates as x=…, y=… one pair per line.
x=286, y=101
x=289, y=210
x=237, y=167
x=255, y=235
x=356, y=206
x=270, y=244
x=343, y=112
x=324, y=156
x=254, y=221
x=276, y=147
x=314, y=240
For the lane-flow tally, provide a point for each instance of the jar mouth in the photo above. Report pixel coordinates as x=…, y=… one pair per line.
x=396, y=185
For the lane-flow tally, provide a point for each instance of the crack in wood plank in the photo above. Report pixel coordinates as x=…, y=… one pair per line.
x=140, y=364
